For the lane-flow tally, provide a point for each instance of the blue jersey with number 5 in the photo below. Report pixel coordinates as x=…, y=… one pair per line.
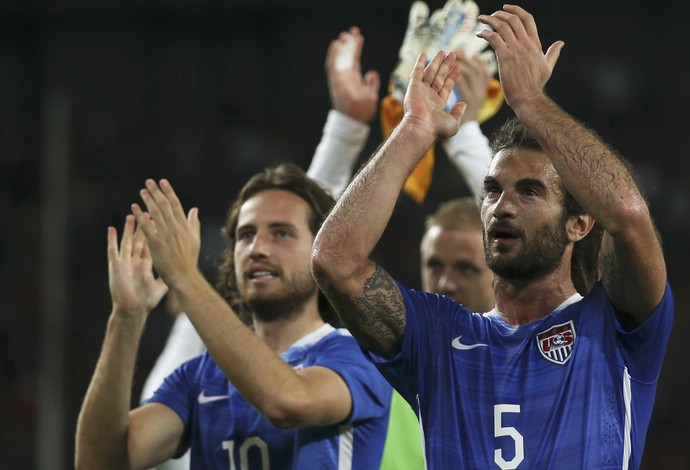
x=572, y=390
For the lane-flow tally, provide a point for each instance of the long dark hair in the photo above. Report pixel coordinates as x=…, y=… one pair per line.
x=287, y=177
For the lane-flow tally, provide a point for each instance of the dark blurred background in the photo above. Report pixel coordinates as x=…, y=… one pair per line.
x=97, y=95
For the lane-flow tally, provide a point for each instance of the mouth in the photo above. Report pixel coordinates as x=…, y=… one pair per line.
x=503, y=234
x=261, y=274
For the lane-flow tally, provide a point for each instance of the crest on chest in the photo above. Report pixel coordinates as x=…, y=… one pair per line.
x=556, y=343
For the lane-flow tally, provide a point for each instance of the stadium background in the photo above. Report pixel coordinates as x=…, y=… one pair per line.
x=97, y=95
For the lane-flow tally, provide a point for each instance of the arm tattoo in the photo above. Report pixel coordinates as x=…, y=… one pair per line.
x=377, y=317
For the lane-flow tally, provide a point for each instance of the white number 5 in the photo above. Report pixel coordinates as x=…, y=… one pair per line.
x=499, y=430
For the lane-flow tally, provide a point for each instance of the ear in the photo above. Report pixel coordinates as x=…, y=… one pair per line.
x=578, y=227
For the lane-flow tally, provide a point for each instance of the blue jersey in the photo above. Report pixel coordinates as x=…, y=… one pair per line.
x=572, y=390
x=225, y=431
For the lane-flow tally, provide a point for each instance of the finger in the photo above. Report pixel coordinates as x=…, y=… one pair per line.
x=373, y=81
x=159, y=205
x=154, y=211
x=500, y=33
x=112, y=244
x=444, y=71
x=510, y=25
x=145, y=251
x=138, y=242
x=172, y=200
x=126, y=242
x=431, y=70
x=458, y=111
x=553, y=53
x=493, y=38
x=359, y=46
x=144, y=221
x=526, y=19
x=194, y=223
x=449, y=82
x=330, y=55
x=418, y=70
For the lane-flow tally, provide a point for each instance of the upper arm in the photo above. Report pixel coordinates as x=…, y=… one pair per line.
x=155, y=435
x=634, y=270
x=372, y=307
x=329, y=398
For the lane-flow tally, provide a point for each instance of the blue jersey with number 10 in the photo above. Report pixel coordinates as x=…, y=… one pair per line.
x=225, y=431
x=572, y=390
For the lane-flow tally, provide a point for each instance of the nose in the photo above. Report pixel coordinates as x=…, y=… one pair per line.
x=447, y=285
x=259, y=248
x=504, y=206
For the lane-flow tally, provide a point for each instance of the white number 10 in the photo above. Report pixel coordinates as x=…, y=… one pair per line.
x=500, y=430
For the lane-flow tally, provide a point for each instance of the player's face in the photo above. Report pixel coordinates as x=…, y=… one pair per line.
x=523, y=215
x=453, y=264
x=272, y=251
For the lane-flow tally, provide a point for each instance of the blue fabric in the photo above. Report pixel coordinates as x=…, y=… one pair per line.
x=220, y=422
x=553, y=388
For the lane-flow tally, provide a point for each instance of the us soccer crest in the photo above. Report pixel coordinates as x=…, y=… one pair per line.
x=556, y=343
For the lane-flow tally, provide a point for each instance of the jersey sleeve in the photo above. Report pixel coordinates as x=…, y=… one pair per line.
x=371, y=394
x=183, y=343
x=177, y=393
x=404, y=369
x=644, y=347
x=469, y=151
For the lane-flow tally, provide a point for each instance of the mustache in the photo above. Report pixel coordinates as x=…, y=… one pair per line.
x=504, y=226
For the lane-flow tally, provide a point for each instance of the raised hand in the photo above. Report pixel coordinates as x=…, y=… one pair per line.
x=522, y=66
x=351, y=93
x=133, y=288
x=173, y=239
x=472, y=85
x=428, y=92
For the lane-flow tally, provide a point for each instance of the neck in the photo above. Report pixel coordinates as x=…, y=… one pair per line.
x=280, y=333
x=520, y=302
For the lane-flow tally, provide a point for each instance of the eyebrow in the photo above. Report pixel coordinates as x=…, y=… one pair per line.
x=272, y=225
x=520, y=183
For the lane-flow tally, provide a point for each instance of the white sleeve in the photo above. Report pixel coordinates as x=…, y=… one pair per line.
x=470, y=153
x=182, y=344
x=341, y=143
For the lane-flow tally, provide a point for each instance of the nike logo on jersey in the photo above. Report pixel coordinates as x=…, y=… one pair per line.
x=465, y=347
x=203, y=399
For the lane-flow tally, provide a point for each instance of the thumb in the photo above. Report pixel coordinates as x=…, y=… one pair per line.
x=193, y=219
x=553, y=53
x=373, y=80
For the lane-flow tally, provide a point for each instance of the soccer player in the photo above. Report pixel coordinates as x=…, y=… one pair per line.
x=291, y=392
x=551, y=377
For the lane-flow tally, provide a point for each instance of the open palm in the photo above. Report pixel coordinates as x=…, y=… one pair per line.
x=133, y=287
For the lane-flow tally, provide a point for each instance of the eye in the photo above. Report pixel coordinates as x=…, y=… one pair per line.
x=283, y=233
x=467, y=270
x=491, y=189
x=434, y=267
x=245, y=235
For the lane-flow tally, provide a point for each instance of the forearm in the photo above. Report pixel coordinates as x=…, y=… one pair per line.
x=634, y=271
x=341, y=143
x=589, y=169
x=366, y=298
x=256, y=370
x=470, y=153
x=103, y=423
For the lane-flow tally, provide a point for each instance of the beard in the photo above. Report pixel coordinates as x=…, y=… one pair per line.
x=283, y=305
x=539, y=256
